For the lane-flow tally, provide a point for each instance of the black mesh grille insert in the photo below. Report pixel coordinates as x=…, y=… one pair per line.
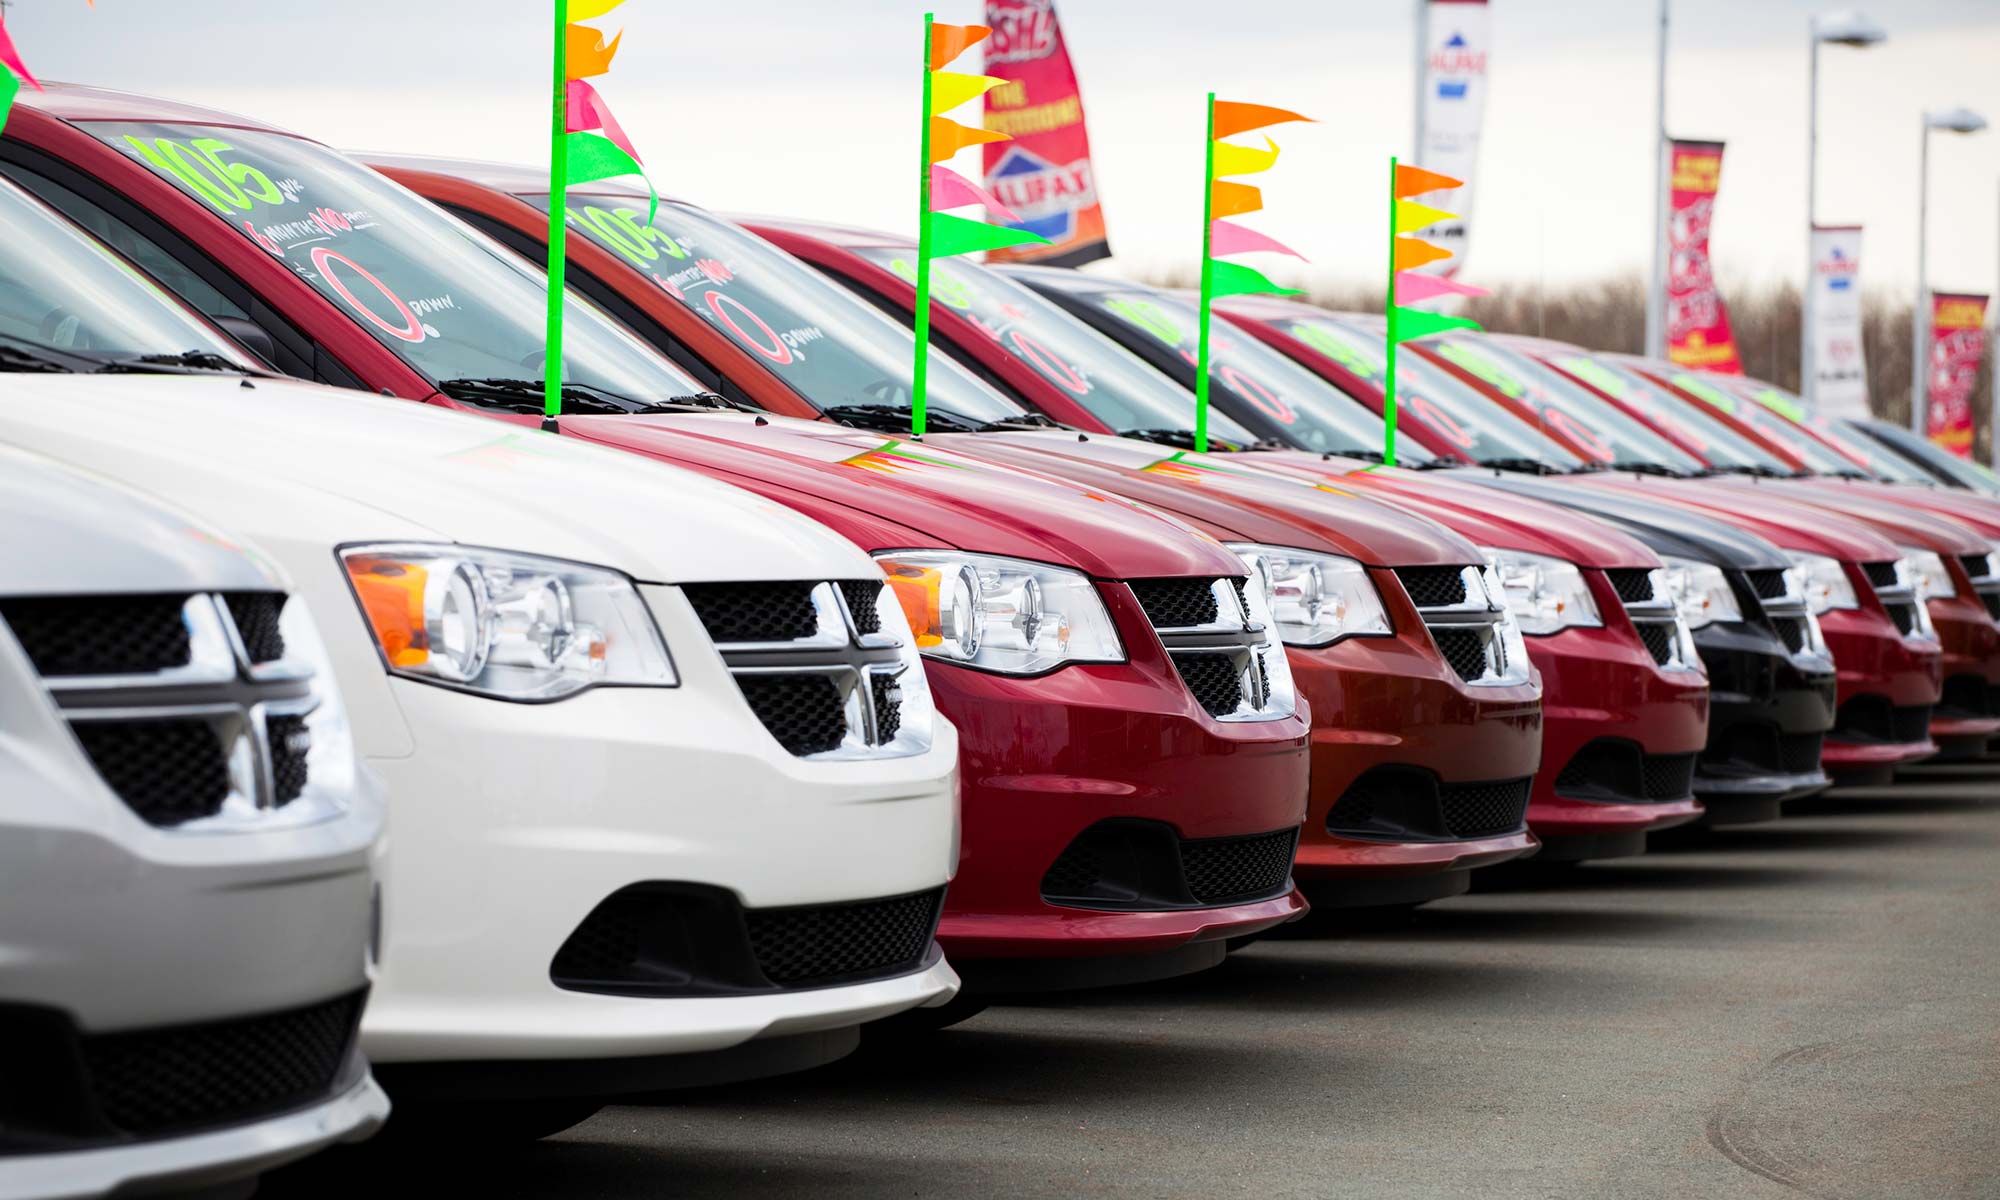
x=1659, y=638
x=1768, y=585
x=1975, y=565
x=192, y=1076
x=861, y=596
x=1992, y=602
x=1484, y=809
x=754, y=612
x=1433, y=587
x=1798, y=753
x=1634, y=585
x=888, y=699
x=1177, y=603
x=100, y=635
x=1880, y=574
x=1792, y=630
x=1911, y=722
x=290, y=741
x=1964, y=695
x=167, y=771
x=1225, y=869
x=1463, y=648
x=804, y=712
x=1213, y=678
x=256, y=616
x=798, y=947
x=1874, y=719
x=1668, y=776
x=1905, y=617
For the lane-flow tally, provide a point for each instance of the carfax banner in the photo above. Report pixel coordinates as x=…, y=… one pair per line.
x=1044, y=174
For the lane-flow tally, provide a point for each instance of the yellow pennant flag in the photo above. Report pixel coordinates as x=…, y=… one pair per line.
x=1244, y=160
x=1233, y=199
x=590, y=10
x=949, y=89
x=1411, y=216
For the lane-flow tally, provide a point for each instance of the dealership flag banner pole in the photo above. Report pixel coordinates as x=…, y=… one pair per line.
x=1045, y=173
x=586, y=144
x=1451, y=107
x=1698, y=333
x=1408, y=285
x=1957, y=342
x=1833, y=322
x=1221, y=199
x=939, y=234
x=13, y=73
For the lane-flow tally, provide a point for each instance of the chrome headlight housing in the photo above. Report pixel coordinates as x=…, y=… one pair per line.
x=1000, y=614
x=1701, y=591
x=1824, y=582
x=1545, y=594
x=1928, y=573
x=1315, y=599
x=511, y=626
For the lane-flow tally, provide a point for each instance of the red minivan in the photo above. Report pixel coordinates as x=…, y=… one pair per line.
x=1134, y=758
x=1425, y=741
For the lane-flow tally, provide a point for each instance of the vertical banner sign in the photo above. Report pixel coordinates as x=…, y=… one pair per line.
x=939, y=234
x=1222, y=198
x=1958, y=339
x=586, y=144
x=13, y=73
x=1452, y=102
x=1408, y=284
x=1697, y=324
x=1044, y=173
x=1833, y=322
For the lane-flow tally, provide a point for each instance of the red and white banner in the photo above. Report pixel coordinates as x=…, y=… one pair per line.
x=1044, y=174
x=1958, y=339
x=1452, y=101
x=1839, y=383
x=1697, y=323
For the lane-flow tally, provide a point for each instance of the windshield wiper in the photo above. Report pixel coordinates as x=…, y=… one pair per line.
x=13, y=358
x=1026, y=420
x=1532, y=466
x=527, y=395
x=1640, y=467
x=186, y=360
x=895, y=418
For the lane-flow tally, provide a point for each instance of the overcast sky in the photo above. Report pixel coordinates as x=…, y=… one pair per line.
x=808, y=107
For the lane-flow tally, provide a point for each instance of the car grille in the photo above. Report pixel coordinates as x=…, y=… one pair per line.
x=1799, y=753
x=1177, y=603
x=180, y=702
x=1464, y=624
x=1614, y=771
x=1659, y=638
x=1768, y=585
x=1669, y=776
x=1977, y=566
x=1880, y=574
x=1433, y=587
x=1484, y=809
x=805, y=947
x=1966, y=696
x=1634, y=585
x=811, y=661
x=1137, y=866
x=1409, y=804
x=1792, y=631
x=1992, y=602
x=1464, y=649
x=1905, y=617
x=1872, y=719
x=1230, y=662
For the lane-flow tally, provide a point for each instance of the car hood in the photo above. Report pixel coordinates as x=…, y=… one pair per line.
x=1666, y=529
x=1226, y=495
x=408, y=470
x=1791, y=524
x=1949, y=523
x=964, y=502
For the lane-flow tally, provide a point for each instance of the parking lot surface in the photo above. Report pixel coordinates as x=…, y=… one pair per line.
x=1807, y=1007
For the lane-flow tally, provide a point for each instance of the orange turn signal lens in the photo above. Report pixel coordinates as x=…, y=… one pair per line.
x=920, y=591
x=392, y=594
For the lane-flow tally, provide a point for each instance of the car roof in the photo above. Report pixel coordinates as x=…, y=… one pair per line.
x=84, y=102
x=1069, y=279
x=514, y=179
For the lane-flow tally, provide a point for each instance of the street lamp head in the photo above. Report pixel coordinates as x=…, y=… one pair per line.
x=1847, y=28
x=1955, y=120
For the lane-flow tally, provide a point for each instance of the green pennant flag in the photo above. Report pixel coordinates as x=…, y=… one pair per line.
x=957, y=235
x=1416, y=322
x=1235, y=279
x=9, y=87
x=593, y=156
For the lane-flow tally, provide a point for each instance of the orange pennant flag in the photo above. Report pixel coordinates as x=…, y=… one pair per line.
x=1415, y=181
x=950, y=41
x=586, y=53
x=1232, y=117
x=948, y=137
x=1230, y=199
x=1412, y=253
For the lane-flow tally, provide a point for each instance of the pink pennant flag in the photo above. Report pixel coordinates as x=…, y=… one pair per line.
x=11, y=58
x=587, y=110
x=1228, y=238
x=1412, y=286
x=951, y=190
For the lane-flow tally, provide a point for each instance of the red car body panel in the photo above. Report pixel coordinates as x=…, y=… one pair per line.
x=1203, y=777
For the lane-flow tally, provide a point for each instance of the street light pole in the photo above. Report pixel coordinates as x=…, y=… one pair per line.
x=1656, y=287
x=1423, y=61
x=1840, y=29
x=1955, y=120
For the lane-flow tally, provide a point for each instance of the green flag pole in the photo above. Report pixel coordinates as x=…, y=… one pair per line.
x=1207, y=284
x=1389, y=309
x=552, y=371
x=919, y=377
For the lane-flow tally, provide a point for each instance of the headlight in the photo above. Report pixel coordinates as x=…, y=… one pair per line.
x=1315, y=599
x=1702, y=592
x=511, y=626
x=1544, y=594
x=1000, y=614
x=1824, y=581
x=1928, y=572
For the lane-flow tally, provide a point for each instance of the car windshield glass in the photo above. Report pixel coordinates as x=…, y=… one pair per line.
x=1460, y=415
x=1117, y=388
x=1817, y=455
x=830, y=347
x=1922, y=452
x=1566, y=408
x=447, y=300
x=60, y=290
x=1873, y=458
x=1700, y=432
x=1314, y=414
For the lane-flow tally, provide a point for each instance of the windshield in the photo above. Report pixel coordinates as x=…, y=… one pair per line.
x=826, y=344
x=1566, y=407
x=60, y=290
x=1793, y=409
x=1922, y=452
x=448, y=301
x=1312, y=413
x=1117, y=388
x=1460, y=415
x=1700, y=432
x=1819, y=457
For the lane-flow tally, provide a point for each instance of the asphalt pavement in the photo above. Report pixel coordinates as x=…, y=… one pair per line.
x=1801, y=1008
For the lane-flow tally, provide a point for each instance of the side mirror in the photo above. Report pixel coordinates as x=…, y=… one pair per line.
x=251, y=336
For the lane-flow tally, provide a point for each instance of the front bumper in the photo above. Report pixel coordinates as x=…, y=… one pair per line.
x=1884, y=678
x=1970, y=645
x=1768, y=719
